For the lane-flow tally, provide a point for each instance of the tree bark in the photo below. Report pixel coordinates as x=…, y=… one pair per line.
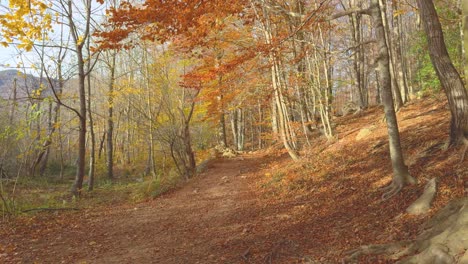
x=392, y=66
x=398, y=52
x=464, y=6
x=222, y=138
x=110, y=120
x=450, y=79
x=92, y=143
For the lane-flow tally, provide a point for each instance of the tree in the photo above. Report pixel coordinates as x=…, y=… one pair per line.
x=449, y=77
x=79, y=39
x=401, y=176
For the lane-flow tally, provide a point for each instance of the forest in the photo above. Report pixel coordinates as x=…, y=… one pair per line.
x=243, y=131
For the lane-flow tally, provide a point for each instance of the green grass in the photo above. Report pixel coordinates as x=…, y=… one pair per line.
x=47, y=192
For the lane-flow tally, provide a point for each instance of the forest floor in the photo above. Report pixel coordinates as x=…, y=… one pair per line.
x=261, y=207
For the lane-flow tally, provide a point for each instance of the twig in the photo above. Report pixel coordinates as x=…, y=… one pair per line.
x=51, y=209
x=246, y=253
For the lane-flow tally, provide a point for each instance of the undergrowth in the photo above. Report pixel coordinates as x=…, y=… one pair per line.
x=28, y=195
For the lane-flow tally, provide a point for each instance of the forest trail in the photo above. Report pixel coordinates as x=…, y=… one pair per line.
x=205, y=221
x=262, y=207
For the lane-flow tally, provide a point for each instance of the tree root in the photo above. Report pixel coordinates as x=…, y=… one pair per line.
x=389, y=249
x=274, y=252
x=442, y=240
x=465, y=142
x=391, y=190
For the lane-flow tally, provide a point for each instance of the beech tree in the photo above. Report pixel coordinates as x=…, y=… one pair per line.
x=401, y=176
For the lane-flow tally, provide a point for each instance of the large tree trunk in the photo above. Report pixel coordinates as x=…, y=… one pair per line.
x=449, y=77
x=401, y=175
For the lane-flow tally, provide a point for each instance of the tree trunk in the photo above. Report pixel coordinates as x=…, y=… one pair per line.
x=110, y=120
x=399, y=64
x=358, y=56
x=79, y=40
x=222, y=139
x=449, y=77
x=80, y=170
x=234, y=123
x=391, y=56
x=92, y=145
x=92, y=151
x=464, y=6
x=401, y=175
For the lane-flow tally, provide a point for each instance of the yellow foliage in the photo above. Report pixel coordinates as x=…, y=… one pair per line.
x=26, y=21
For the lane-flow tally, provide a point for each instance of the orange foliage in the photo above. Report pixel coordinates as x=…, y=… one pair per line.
x=164, y=20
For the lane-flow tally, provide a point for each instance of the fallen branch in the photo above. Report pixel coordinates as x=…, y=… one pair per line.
x=51, y=209
x=246, y=254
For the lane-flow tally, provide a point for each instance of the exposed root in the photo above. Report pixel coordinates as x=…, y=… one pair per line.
x=423, y=203
x=391, y=190
x=442, y=240
x=388, y=249
x=465, y=141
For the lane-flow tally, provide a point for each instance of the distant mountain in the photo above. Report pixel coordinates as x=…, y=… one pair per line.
x=25, y=84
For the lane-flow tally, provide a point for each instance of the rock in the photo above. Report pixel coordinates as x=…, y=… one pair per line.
x=350, y=107
x=365, y=132
x=229, y=153
x=423, y=203
x=464, y=258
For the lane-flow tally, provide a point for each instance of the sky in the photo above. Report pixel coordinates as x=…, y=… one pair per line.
x=9, y=56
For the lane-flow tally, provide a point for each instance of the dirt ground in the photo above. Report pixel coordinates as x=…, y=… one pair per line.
x=212, y=219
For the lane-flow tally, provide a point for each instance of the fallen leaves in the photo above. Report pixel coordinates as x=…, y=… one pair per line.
x=322, y=206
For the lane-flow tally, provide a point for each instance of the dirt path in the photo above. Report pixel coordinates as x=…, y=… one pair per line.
x=206, y=221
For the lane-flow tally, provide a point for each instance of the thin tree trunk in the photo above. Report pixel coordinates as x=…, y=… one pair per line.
x=391, y=56
x=398, y=53
x=464, y=7
x=80, y=40
x=110, y=120
x=222, y=139
x=234, y=123
x=401, y=176
x=92, y=145
x=151, y=119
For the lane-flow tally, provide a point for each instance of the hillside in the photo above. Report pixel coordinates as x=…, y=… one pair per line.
x=25, y=84
x=261, y=207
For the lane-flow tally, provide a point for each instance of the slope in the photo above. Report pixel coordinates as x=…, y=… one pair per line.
x=261, y=207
